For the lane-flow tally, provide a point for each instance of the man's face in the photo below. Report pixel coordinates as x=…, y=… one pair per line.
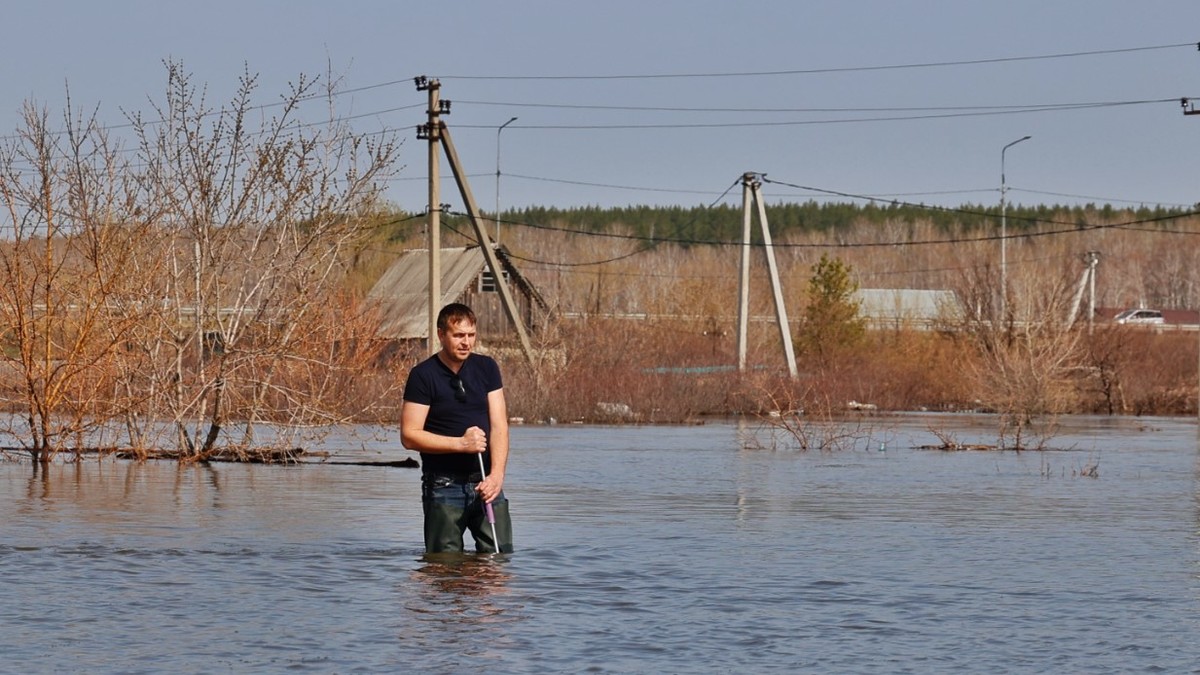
x=458, y=340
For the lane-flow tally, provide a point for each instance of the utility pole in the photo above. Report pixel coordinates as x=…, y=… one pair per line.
x=744, y=275
x=431, y=130
x=751, y=191
x=1093, y=259
x=1189, y=110
x=1086, y=280
x=439, y=135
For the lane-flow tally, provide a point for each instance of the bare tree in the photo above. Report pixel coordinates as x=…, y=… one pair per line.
x=65, y=290
x=261, y=216
x=1026, y=364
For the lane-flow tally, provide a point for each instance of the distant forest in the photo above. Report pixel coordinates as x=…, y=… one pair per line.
x=706, y=224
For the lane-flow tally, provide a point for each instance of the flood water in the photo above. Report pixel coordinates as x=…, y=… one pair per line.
x=639, y=549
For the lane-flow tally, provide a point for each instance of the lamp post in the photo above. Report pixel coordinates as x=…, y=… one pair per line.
x=497, y=216
x=1004, y=232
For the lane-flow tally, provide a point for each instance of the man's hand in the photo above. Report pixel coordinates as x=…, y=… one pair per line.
x=474, y=440
x=490, y=488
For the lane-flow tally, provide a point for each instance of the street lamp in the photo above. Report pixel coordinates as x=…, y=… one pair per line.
x=1004, y=232
x=497, y=216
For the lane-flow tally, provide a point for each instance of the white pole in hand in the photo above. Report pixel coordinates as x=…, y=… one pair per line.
x=487, y=507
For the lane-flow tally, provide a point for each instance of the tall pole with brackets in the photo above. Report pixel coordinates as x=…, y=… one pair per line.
x=438, y=134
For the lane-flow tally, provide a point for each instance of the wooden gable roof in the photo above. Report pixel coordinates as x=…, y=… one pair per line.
x=402, y=293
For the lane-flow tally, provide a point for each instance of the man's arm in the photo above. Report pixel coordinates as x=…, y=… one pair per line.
x=498, y=417
x=414, y=437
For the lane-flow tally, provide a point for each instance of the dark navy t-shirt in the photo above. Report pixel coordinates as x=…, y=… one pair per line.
x=431, y=383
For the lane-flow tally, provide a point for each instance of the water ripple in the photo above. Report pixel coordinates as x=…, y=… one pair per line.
x=638, y=550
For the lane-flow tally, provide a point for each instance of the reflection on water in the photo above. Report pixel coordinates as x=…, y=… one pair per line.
x=457, y=587
x=673, y=549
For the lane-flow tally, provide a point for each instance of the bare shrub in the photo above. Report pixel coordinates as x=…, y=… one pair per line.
x=653, y=367
x=261, y=218
x=66, y=295
x=1026, y=363
x=913, y=370
x=194, y=284
x=329, y=376
x=1109, y=355
x=1158, y=372
x=806, y=416
x=975, y=359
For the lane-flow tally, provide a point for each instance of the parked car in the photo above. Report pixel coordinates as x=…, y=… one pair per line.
x=1142, y=316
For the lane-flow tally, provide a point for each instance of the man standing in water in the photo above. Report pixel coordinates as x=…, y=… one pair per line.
x=454, y=410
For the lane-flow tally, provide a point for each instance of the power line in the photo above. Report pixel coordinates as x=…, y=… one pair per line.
x=637, y=188
x=881, y=196
x=821, y=122
x=817, y=71
x=606, y=185
x=859, y=109
x=962, y=268
x=1093, y=198
x=534, y=264
x=1074, y=228
x=325, y=95
x=927, y=193
x=261, y=107
x=942, y=112
x=655, y=241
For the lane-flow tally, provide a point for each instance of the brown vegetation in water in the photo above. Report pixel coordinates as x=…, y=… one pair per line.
x=179, y=303
x=191, y=289
x=655, y=331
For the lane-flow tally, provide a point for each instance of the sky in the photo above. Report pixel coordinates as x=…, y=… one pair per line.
x=670, y=102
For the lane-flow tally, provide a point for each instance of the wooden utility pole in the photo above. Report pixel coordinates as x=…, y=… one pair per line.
x=432, y=131
x=1189, y=109
x=1086, y=281
x=744, y=277
x=751, y=191
x=439, y=135
x=1093, y=259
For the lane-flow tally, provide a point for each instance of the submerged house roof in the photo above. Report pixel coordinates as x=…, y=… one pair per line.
x=402, y=293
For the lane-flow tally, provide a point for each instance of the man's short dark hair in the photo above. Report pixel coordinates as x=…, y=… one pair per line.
x=453, y=313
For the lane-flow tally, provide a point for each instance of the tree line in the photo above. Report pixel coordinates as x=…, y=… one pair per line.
x=722, y=222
